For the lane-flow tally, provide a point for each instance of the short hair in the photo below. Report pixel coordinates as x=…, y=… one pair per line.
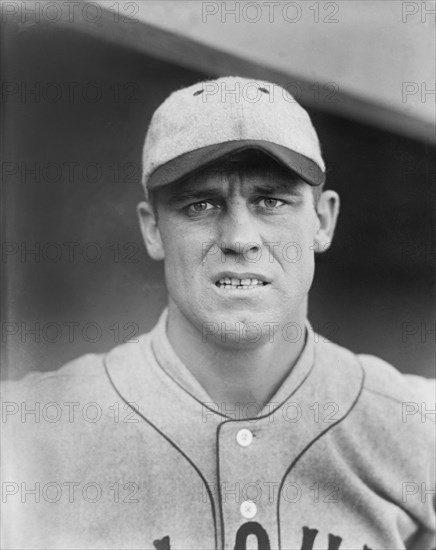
x=244, y=163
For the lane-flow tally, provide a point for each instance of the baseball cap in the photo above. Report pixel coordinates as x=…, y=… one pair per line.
x=197, y=125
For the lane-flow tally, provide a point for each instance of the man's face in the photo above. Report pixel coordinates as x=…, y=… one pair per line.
x=238, y=250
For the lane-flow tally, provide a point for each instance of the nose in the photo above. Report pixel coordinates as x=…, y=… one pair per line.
x=239, y=235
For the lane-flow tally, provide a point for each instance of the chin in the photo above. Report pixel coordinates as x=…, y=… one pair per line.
x=238, y=339
x=238, y=328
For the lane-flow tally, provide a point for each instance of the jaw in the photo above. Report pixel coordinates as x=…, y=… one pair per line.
x=200, y=303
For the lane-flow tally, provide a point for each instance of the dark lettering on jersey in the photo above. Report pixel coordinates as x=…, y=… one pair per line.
x=309, y=536
x=334, y=542
x=252, y=528
x=162, y=544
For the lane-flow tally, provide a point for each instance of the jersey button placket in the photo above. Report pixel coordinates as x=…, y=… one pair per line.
x=244, y=437
x=239, y=479
x=248, y=509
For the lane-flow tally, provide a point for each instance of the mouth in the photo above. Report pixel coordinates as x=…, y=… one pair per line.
x=242, y=283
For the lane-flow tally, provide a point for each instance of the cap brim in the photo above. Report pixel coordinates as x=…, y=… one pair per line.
x=186, y=164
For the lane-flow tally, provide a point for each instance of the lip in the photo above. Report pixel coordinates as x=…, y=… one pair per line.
x=232, y=294
x=241, y=275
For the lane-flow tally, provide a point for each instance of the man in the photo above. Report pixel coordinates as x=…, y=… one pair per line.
x=231, y=424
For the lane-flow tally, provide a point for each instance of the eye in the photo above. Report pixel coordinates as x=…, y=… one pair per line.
x=271, y=203
x=198, y=207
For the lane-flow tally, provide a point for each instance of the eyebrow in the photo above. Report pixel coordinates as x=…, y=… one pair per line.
x=194, y=195
x=288, y=186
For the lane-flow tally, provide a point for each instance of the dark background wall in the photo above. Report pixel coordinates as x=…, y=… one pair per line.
x=71, y=171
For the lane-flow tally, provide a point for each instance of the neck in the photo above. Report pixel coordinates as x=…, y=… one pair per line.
x=238, y=376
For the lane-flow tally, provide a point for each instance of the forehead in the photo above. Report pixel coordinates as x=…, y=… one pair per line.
x=228, y=180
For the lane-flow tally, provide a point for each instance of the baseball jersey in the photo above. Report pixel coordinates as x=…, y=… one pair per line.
x=127, y=450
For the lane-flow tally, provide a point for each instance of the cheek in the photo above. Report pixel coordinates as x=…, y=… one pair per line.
x=297, y=236
x=296, y=251
x=183, y=254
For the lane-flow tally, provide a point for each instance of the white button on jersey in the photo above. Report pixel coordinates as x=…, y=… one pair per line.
x=248, y=509
x=244, y=437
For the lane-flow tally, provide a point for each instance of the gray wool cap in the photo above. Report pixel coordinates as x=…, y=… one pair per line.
x=196, y=126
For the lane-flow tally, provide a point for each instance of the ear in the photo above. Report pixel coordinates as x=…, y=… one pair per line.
x=150, y=231
x=327, y=211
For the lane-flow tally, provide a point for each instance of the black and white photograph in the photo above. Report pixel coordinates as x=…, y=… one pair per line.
x=218, y=321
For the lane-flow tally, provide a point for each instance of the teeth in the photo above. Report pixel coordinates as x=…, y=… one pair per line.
x=240, y=284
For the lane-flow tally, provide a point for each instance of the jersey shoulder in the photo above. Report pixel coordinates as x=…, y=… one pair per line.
x=388, y=383
x=84, y=376
x=82, y=372
x=381, y=379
